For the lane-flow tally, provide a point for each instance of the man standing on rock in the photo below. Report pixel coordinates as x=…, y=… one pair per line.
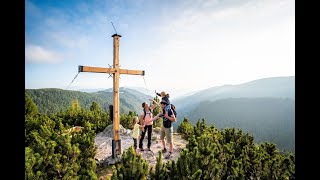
x=146, y=123
x=167, y=130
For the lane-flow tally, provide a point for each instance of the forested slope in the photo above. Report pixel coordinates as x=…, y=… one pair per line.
x=53, y=100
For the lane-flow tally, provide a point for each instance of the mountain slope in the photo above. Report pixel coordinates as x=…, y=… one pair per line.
x=282, y=87
x=268, y=119
x=52, y=100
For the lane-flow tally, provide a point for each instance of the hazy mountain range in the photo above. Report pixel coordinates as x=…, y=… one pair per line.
x=280, y=87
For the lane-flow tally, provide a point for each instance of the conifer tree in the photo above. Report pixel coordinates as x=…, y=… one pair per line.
x=159, y=172
x=126, y=120
x=197, y=175
x=200, y=127
x=185, y=128
x=131, y=166
x=85, y=139
x=172, y=170
x=74, y=108
x=31, y=161
x=156, y=110
x=95, y=107
x=188, y=164
x=30, y=107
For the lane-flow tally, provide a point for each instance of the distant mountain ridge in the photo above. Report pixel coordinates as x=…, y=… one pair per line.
x=282, y=87
x=53, y=100
x=90, y=90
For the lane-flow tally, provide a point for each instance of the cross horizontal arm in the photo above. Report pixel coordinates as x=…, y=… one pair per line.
x=109, y=70
x=132, y=72
x=96, y=69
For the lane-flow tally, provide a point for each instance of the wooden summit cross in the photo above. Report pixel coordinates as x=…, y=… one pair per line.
x=116, y=71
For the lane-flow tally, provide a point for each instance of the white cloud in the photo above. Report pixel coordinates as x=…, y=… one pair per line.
x=37, y=54
x=223, y=43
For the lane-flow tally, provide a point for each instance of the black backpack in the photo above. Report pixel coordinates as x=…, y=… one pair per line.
x=144, y=111
x=173, y=108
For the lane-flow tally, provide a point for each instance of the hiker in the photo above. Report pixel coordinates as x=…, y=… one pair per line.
x=135, y=133
x=165, y=97
x=167, y=130
x=146, y=123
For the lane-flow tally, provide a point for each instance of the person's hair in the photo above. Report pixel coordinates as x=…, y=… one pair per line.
x=163, y=102
x=164, y=94
x=135, y=120
x=143, y=104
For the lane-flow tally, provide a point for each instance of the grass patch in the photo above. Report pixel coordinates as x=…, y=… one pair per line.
x=104, y=172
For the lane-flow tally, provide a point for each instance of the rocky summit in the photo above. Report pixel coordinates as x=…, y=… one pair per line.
x=103, y=142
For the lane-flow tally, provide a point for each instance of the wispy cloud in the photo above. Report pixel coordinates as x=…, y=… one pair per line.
x=216, y=22
x=37, y=54
x=198, y=17
x=64, y=28
x=222, y=39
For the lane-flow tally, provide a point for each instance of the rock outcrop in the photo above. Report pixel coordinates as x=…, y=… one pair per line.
x=103, y=142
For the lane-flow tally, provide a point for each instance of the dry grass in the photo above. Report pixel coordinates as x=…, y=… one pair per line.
x=104, y=172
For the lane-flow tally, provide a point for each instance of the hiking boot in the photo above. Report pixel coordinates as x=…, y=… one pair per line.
x=141, y=149
x=148, y=149
x=164, y=150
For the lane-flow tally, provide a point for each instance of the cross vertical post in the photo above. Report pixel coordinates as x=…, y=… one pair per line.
x=116, y=98
x=116, y=71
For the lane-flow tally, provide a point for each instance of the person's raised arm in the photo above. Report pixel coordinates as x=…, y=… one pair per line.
x=154, y=104
x=157, y=93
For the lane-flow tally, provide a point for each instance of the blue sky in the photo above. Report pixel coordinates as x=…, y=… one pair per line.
x=183, y=45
